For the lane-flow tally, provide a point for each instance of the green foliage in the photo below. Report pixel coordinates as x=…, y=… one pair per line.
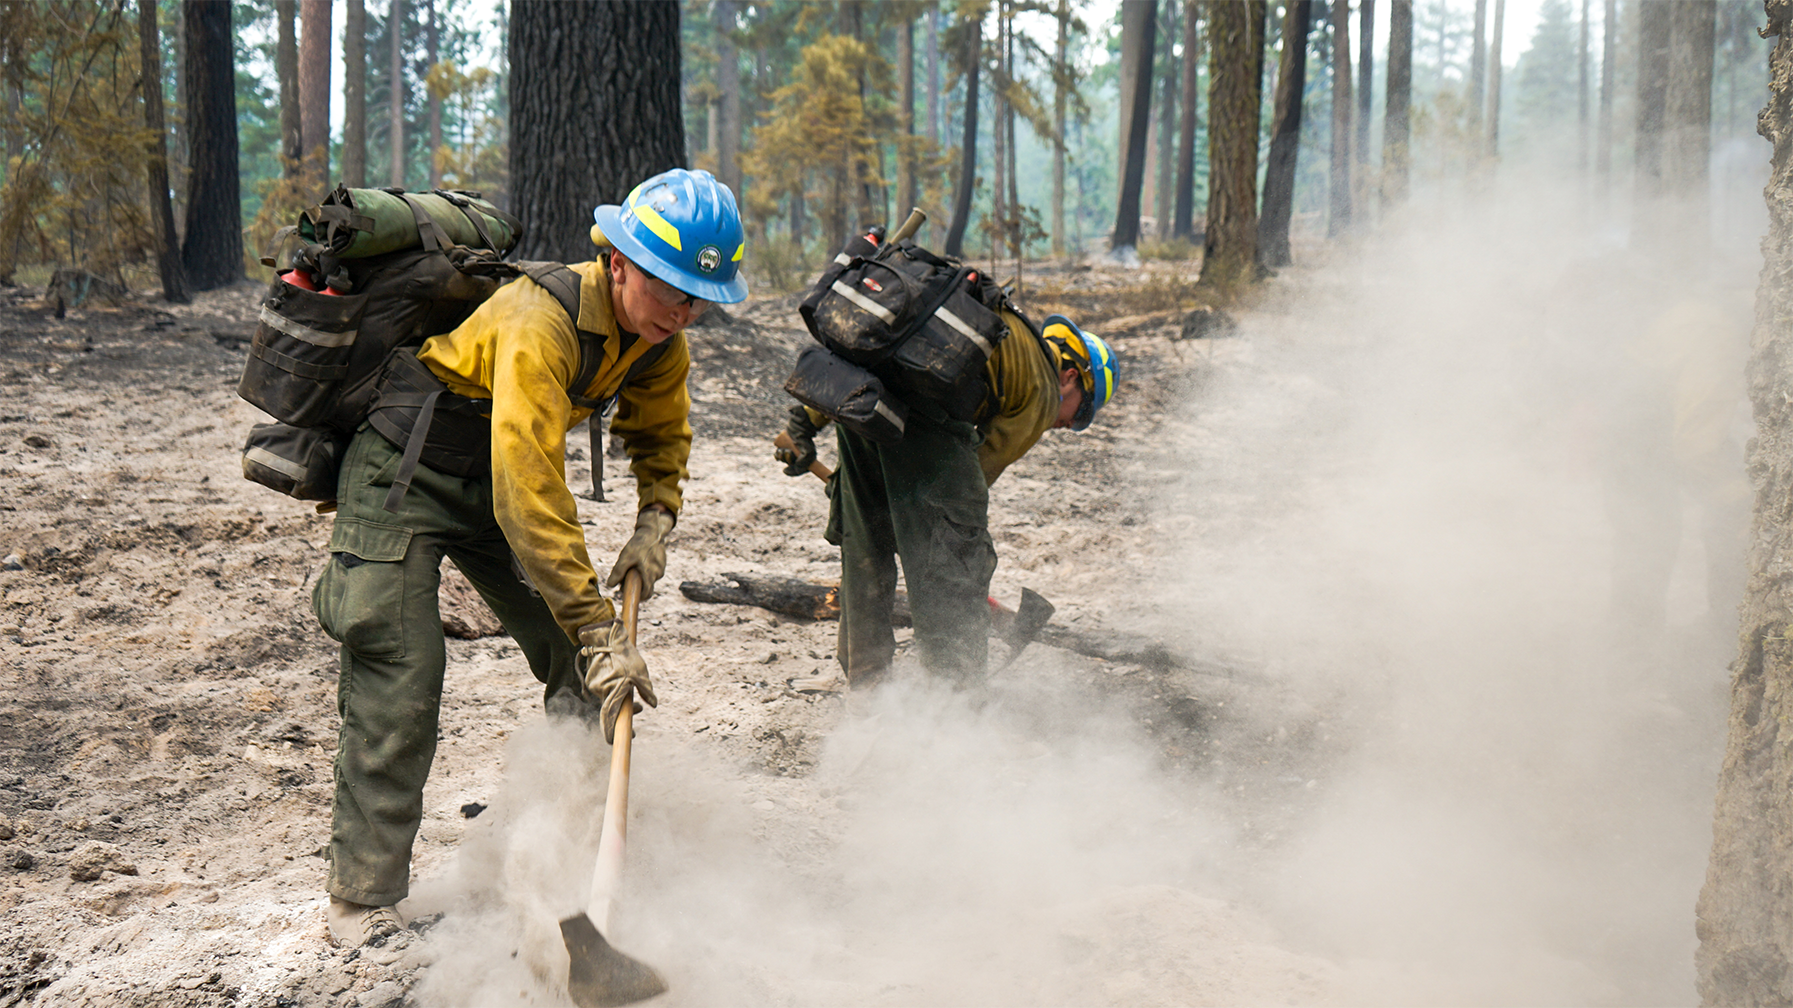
x=74, y=190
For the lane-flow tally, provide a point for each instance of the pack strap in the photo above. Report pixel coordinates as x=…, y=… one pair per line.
x=407, y=466
x=431, y=235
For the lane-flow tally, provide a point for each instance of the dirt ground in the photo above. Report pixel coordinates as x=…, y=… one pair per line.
x=1080, y=833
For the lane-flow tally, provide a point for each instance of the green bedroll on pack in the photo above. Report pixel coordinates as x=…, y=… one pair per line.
x=356, y=223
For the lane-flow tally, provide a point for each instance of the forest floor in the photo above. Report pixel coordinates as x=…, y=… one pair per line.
x=1083, y=832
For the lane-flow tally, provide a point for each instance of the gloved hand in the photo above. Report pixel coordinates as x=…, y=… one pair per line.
x=613, y=671
x=802, y=432
x=645, y=551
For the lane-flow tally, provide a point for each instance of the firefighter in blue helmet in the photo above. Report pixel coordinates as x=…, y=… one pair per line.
x=925, y=500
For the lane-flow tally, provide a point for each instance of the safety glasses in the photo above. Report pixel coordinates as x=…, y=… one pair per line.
x=671, y=296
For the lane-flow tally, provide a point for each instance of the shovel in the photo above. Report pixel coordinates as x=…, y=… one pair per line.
x=599, y=976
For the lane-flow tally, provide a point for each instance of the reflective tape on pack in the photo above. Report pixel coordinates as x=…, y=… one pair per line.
x=864, y=302
x=885, y=412
x=283, y=466
x=316, y=337
x=971, y=334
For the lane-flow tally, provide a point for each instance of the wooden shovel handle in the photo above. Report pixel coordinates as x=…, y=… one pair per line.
x=608, y=873
x=784, y=441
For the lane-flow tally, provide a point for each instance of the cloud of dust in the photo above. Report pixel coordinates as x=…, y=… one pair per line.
x=1454, y=503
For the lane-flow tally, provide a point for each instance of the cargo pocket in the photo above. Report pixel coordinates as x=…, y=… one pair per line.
x=360, y=597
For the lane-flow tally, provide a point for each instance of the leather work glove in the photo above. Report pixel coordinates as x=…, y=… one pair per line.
x=614, y=671
x=802, y=432
x=645, y=551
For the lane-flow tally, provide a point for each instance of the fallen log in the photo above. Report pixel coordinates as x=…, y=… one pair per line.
x=808, y=600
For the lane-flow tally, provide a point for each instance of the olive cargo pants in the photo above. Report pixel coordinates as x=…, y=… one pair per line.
x=377, y=596
x=922, y=500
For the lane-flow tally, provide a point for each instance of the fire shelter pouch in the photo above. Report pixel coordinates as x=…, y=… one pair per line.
x=300, y=462
x=847, y=394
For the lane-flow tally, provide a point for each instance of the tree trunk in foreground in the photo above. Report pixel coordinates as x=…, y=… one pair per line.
x=212, y=254
x=314, y=95
x=161, y=207
x=1285, y=137
x=594, y=112
x=1236, y=42
x=1139, y=24
x=1744, y=918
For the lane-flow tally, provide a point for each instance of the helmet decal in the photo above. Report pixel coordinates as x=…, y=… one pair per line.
x=659, y=225
x=708, y=258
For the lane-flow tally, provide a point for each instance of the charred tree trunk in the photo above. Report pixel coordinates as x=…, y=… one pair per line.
x=1494, y=69
x=354, y=94
x=1169, y=85
x=212, y=254
x=395, y=108
x=1139, y=22
x=1236, y=44
x=1366, y=74
x=1654, y=31
x=1397, y=152
x=1285, y=137
x=1609, y=33
x=1744, y=918
x=973, y=56
x=594, y=112
x=286, y=72
x=168, y=253
x=906, y=194
x=1338, y=221
x=1184, y=225
x=1060, y=97
x=728, y=82
x=314, y=95
x=1687, y=139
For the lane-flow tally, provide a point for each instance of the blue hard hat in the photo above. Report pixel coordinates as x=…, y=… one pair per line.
x=1093, y=360
x=682, y=227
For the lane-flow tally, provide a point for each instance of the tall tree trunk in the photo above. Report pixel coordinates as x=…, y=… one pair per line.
x=354, y=95
x=1285, y=137
x=1060, y=97
x=1139, y=22
x=999, y=162
x=1338, y=222
x=168, y=253
x=1654, y=32
x=1744, y=918
x=433, y=53
x=1581, y=93
x=906, y=194
x=1366, y=76
x=934, y=73
x=728, y=81
x=1236, y=47
x=1609, y=33
x=212, y=254
x=286, y=73
x=1687, y=140
x=1184, y=225
x=395, y=108
x=974, y=55
x=1013, y=171
x=1170, y=86
x=594, y=86
x=1478, y=72
x=1494, y=69
x=314, y=95
x=1396, y=130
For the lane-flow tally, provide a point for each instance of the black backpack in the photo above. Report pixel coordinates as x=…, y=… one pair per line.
x=917, y=324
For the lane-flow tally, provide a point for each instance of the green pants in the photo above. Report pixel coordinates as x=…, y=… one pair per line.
x=922, y=500
x=377, y=596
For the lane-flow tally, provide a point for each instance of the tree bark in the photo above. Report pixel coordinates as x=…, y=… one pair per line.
x=314, y=95
x=1744, y=917
x=1687, y=140
x=1478, y=70
x=1236, y=52
x=1603, y=127
x=1139, y=22
x=354, y=95
x=212, y=254
x=906, y=194
x=1581, y=92
x=974, y=54
x=1338, y=222
x=934, y=73
x=1285, y=137
x=595, y=111
x=1060, y=98
x=395, y=108
x=433, y=53
x=1397, y=153
x=1184, y=225
x=1165, y=141
x=286, y=72
x=1366, y=75
x=728, y=82
x=168, y=253
x=1654, y=32
x=1494, y=70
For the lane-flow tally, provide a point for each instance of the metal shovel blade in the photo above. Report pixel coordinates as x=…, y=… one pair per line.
x=600, y=976
x=1030, y=618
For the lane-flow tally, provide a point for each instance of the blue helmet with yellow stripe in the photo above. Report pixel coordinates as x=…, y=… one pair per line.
x=682, y=227
x=1091, y=357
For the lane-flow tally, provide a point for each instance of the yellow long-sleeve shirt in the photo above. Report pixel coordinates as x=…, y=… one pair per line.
x=1024, y=378
x=521, y=351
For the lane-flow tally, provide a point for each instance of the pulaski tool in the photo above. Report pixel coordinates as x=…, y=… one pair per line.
x=599, y=976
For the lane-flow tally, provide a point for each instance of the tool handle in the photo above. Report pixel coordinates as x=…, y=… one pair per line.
x=783, y=440
x=909, y=227
x=608, y=873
